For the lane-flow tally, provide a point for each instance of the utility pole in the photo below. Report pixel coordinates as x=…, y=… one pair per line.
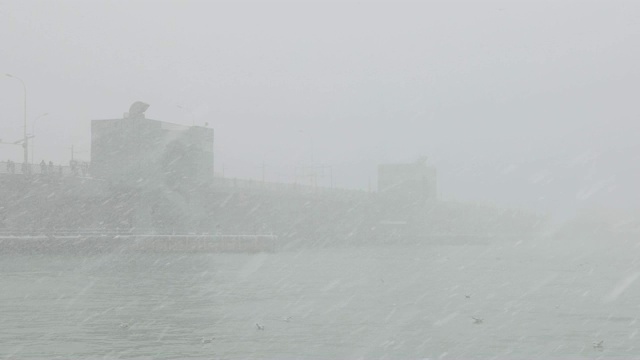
x=331, y=176
x=25, y=145
x=312, y=172
x=33, y=134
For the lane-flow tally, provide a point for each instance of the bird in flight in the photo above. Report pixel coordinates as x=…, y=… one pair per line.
x=260, y=327
x=477, y=320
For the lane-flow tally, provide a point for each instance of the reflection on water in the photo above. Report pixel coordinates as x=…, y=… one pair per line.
x=383, y=302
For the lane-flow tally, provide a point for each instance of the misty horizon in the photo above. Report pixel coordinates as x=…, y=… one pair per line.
x=525, y=104
x=319, y=179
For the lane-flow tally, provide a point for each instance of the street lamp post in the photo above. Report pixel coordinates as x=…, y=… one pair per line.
x=33, y=133
x=25, y=145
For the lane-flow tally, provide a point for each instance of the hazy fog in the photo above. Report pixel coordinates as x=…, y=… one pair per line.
x=529, y=103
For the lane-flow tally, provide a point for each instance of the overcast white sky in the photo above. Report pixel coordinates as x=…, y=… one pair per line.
x=483, y=88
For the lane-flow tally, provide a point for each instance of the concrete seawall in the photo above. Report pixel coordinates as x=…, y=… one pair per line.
x=88, y=244
x=95, y=211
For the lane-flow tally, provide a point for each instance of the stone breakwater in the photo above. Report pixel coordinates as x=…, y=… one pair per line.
x=88, y=244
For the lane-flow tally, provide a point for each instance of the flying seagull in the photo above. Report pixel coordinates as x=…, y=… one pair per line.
x=477, y=321
x=598, y=345
x=207, y=340
x=260, y=327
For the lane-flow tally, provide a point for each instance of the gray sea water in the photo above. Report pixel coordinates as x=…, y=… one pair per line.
x=537, y=300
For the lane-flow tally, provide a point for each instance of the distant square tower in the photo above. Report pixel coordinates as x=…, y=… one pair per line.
x=410, y=182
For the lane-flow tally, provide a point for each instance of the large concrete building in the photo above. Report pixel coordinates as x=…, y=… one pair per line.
x=408, y=182
x=138, y=151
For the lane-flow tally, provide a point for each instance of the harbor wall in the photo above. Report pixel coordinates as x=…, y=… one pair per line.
x=97, y=244
x=42, y=204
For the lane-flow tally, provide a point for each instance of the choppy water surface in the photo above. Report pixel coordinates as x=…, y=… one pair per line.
x=410, y=302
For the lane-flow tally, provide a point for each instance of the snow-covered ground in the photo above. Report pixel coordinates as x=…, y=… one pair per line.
x=536, y=300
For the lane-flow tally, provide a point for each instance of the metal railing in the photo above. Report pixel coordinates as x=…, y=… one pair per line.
x=250, y=185
x=115, y=232
x=7, y=167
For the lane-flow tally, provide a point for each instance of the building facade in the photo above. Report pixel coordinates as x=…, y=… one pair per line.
x=135, y=150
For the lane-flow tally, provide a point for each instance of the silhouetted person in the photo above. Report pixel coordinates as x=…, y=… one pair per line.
x=11, y=167
x=43, y=167
x=74, y=168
